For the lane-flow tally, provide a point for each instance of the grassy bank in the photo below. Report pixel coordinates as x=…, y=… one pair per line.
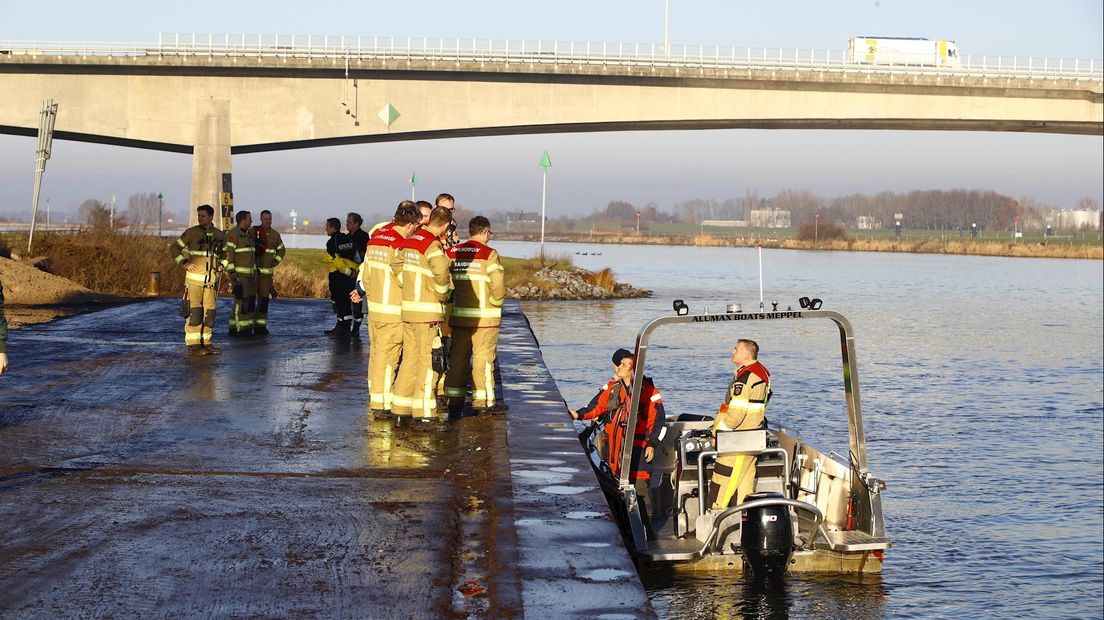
x=121, y=264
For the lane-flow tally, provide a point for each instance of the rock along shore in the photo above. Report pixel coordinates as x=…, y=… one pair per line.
x=570, y=284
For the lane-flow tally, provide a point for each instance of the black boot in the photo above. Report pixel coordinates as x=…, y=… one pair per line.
x=354, y=332
x=339, y=330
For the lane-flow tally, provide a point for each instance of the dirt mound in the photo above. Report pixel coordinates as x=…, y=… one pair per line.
x=25, y=285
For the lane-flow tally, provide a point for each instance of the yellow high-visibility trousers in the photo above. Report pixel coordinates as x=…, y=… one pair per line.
x=416, y=384
x=475, y=349
x=201, y=318
x=733, y=474
x=385, y=346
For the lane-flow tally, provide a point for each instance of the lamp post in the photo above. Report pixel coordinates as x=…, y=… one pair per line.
x=546, y=163
x=666, y=47
x=638, y=222
x=160, y=207
x=816, y=229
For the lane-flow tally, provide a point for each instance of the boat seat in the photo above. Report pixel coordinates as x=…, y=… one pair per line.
x=668, y=550
x=853, y=540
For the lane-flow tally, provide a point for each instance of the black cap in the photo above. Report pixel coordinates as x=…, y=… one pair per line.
x=619, y=355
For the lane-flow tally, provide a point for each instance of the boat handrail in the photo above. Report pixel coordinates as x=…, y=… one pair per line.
x=847, y=349
x=703, y=495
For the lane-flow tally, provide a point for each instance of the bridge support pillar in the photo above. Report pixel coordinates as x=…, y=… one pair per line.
x=210, y=155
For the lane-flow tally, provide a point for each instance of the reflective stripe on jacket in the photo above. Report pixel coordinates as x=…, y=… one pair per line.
x=241, y=255
x=747, y=398
x=425, y=279
x=650, y=418
x=479, y=283
x=270, y=250
x=341, y=254
x=379, y=276
x=202, y=247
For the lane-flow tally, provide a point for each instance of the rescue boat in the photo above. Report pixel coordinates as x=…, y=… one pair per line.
x=810, y=511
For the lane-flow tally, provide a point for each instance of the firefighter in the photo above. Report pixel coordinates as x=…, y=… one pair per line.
x=270, y=251
x=479, y=289
x=451, y=236
x=240, y=262
x=426, y=285
x=387, y=224
x=745, y=409
x=379, y=283
x=199, y=249
x=340, y=257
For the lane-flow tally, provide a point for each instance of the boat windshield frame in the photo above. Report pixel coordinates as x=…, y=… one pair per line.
x=847, y=349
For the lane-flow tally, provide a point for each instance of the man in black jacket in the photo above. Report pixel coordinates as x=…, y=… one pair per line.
x=341, y=258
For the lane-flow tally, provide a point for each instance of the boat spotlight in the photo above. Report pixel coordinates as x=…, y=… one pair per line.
x=680, y=307
x=810, y=304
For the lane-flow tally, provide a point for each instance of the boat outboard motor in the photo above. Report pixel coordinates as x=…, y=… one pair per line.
x=766, y=536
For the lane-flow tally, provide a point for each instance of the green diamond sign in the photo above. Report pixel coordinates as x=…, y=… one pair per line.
x=388, y=114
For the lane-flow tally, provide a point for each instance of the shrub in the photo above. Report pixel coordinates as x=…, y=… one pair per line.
x=603, y=279
x=824, y=231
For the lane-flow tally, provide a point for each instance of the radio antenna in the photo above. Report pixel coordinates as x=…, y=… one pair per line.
x=761, y=308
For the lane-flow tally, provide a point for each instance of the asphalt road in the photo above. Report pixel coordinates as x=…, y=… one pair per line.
x=138, y=482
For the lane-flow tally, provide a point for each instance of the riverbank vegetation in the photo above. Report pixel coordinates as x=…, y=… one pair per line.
x=107, y=260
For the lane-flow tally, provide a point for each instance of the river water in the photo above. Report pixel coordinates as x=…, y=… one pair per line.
x=982, y=384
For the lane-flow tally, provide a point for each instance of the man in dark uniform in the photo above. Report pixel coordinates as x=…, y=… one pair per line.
x=359, y=237
x=3, y=334
x=340, y=257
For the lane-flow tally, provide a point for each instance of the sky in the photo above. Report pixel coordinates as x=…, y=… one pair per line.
x=588, y=170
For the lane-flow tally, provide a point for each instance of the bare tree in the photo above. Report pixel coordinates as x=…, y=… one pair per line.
x=142, y=210
x=98, y=217
x=1088, y=204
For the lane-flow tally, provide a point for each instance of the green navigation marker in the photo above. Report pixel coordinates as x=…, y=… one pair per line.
x=388, y=114
x=545, y=162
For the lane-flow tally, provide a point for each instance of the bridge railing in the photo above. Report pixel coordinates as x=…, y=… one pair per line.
x=555, y=53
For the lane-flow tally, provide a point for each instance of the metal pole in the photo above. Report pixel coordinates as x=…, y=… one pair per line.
x=45, y=140
x=666, y=47
x=160, y=218
x=544, y=191
x=761, y=278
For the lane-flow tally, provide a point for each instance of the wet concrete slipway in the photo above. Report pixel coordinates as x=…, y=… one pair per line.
x=136, y=482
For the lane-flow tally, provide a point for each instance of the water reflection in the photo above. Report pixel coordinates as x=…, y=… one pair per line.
x=388, y=445
x=686, y=594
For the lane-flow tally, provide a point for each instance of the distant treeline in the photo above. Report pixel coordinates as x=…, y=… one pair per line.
x=923, y=209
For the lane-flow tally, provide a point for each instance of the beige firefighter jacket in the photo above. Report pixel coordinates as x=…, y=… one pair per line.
x=204, y=249
x=479, y=285
x=425, y=279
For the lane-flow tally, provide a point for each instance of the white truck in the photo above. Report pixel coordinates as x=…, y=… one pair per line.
x=902, y=51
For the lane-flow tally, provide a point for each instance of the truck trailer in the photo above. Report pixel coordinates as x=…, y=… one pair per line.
x=902, y=51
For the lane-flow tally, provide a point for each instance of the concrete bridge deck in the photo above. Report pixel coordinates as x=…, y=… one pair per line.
x=136, y=482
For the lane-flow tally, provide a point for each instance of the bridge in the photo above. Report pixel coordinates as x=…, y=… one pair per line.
x=218, y=95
